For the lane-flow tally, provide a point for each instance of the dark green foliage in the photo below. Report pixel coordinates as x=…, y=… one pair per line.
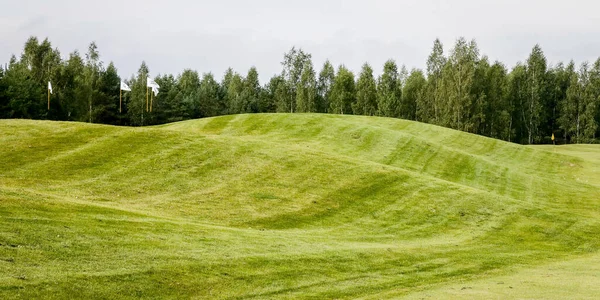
x=306, y=91
x=268, y=97
x=558, y=81
x=591, y=94
x=136, y=106
x=106, y=108
x=389, y=91
x=343, y=92
x=293, y=64
x=536, y=88
x=413, y=90
x=284, y=97
x=480, y=90
x=3, y=96
x=463, y=90
x=366, y=93
x=498, y=110
x=27, y=81
x=429, y=106
x=458, y=79
x=209, y=96
x=223, y=90
x=188, y=85
x=324, y=85
x=248, y=100
x=234, y=94
x=71, y=77
x=169, y=107
x=23, y=93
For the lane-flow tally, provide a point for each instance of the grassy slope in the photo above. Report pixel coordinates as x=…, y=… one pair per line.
x=297, y=206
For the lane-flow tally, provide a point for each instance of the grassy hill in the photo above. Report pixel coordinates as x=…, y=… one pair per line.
x=291, y=206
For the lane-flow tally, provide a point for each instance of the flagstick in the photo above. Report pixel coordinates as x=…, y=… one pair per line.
x=120, y=99
x=146, y=98
x=48, y=88
x=151, y=100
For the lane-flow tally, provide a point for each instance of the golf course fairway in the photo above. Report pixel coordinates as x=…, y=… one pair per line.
x=296, y=206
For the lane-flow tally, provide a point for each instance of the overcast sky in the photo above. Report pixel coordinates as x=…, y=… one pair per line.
x=210, y=36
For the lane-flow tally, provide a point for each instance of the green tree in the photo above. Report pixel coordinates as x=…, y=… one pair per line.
x=429, y=106
x=209, y=96
x=324, y=85
x=234, y=94
x=558, y=80
x=591, y=103
x=587, y=106
x=268, y=99
x=23, y=92
x=169, y=107
x=136, y=107
x=366, y=93
x=570, y=109
x=595, y=86
x=343, y=92
x=41, y=63
x=413, y=90
x=72, y=77
x=389, y=92
x=283, y=96
x=306, y=91
x=402, y=76
x=536, y=73
x=517, y=95
x=3, y=97
x=498, y=111
x=223, y=92
x=480, y=91
x=91, y=75
x=106, y=106
x=293, y=65
x=247, y=102
x=458, y=78
x=40, y=59
x=188, y=85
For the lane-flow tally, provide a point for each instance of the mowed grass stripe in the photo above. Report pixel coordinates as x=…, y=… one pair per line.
x=286, y=206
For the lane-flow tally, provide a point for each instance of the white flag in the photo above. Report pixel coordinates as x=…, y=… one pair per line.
x=151, y=83
x=125, y=87
x=155, y=90
x=50, y=87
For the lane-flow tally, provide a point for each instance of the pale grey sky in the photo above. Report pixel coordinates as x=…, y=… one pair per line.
x=210, y=36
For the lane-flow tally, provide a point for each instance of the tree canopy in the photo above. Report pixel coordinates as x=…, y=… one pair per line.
x=527, y=103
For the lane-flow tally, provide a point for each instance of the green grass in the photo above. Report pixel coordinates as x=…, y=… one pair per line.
x=291, y=206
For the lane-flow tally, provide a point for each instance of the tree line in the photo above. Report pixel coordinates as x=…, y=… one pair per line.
x=462, y=90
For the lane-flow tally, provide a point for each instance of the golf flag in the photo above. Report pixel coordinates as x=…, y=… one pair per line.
x=125, y=87
x=553, y=137
x=49, y=92
x=151, y=83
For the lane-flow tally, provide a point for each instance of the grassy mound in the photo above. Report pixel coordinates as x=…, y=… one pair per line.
x=293, y=206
